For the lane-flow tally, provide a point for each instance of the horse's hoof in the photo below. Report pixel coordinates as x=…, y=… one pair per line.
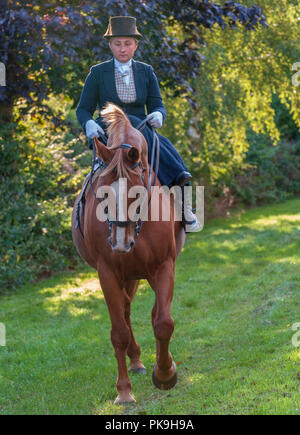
x=165, y=384
x=125, y=399
x=140, y=370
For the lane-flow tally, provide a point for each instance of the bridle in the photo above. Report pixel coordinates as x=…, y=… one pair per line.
x=154, y=155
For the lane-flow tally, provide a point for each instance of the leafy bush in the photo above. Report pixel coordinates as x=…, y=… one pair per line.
x=284, y=121
x=273, y=172
x=41, y=170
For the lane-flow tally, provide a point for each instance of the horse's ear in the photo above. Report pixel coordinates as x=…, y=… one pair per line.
x=133, y=155
x=102, y=151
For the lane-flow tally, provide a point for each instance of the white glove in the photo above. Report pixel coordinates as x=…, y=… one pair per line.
x=155, y=119
x=92, y=129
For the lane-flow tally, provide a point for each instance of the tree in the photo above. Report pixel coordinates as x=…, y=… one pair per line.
x=246, y=83
x=49, y=49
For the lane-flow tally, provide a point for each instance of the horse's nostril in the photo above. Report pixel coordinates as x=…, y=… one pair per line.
x=131, y=243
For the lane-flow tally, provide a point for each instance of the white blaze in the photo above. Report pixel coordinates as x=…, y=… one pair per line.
x=120, y=187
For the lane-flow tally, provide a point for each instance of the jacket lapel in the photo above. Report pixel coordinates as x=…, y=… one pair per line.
x=138, y=79
x=109, y=79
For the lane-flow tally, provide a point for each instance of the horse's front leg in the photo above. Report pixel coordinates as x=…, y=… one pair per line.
x=164, y=372
x=134, y=350
x=120, y=332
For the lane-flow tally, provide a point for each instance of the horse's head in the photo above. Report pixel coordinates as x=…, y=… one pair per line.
x=125, y=177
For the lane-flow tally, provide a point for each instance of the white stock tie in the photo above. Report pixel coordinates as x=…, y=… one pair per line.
x=124, y=70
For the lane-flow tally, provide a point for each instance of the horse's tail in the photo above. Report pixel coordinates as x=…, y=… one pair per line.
x=117, y=122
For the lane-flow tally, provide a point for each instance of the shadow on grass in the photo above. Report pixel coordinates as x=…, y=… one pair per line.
x=59, y=358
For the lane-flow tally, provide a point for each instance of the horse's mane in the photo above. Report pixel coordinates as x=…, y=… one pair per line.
x=118, y=129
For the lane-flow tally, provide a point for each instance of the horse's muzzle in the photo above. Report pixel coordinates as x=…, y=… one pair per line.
x=121, y=248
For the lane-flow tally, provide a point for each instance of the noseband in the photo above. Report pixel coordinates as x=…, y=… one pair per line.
x=155, y=153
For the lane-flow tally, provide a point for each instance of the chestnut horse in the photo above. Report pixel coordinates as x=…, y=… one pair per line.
x=122, y=256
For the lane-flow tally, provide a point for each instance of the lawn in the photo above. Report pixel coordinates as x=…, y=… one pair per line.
x=236, y=299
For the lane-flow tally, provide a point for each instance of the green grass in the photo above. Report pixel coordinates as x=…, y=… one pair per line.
x=236, y=298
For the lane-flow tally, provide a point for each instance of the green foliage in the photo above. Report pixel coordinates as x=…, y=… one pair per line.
x=40, y=173
x=284, y=121
x=272, y=174
x=246, y=85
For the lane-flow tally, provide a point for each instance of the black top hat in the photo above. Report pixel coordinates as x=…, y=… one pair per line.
x=122, y=26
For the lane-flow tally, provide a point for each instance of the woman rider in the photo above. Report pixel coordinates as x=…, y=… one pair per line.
x=132, y=85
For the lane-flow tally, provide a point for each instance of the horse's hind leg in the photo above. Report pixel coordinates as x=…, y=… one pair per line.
x=134, y=350
x=164, y=372
x=120, y=332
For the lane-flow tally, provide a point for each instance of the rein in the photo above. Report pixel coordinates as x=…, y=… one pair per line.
x=154, y=155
